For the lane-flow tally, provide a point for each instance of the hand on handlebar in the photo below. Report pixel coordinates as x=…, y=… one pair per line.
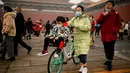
x=56, y=38
x=51, y=37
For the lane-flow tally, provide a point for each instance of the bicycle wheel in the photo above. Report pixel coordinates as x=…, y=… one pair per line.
x=55, y=62
x=75, y=59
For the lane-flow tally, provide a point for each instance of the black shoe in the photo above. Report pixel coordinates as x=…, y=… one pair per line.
x=11, y=59
x=29, y=50
x=106, y=63
x=16, y=52
x=109, y=66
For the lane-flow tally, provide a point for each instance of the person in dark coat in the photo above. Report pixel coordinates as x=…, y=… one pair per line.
x=29, y=26
x=19, y=21
x=47, y=28
x=1, y=37
x=110, y=21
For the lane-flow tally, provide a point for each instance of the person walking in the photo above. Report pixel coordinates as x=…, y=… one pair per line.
x=121, y=31
x=48, y=27
x=1, y=36
x=29, y=27
x=19, y=21
x=82, y=28
x=92, y=31
x=110, y=21
x=97, y=32
x=9, y=31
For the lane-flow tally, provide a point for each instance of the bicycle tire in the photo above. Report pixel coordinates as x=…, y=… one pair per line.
x=49, y=62
x=75, y=59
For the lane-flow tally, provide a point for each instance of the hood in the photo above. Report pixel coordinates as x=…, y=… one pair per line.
x=13, y=14
x=83, y=16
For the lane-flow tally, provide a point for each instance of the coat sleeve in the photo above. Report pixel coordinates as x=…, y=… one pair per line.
x=118, y=23
x=71, y=22
x=100, y=19
x=9, y=23
x=86, y=26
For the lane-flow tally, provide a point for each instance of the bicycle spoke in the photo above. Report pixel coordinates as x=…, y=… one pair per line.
x=53, y=68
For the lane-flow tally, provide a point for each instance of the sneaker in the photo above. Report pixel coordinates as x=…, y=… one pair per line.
x=43, y=54
x=80, y=70
x=84, y=70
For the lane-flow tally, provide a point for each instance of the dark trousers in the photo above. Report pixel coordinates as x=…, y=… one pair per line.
x=8, y=46
x=83, y=58
x=109, y=49
x=29, y=32
x=58, y=43
x=121, y=35
x=18, y=39
x=97, y=32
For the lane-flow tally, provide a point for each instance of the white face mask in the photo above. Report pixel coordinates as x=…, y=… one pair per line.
x=91, y=18
x=108, y=10
x=59, y=25
x=78, y=13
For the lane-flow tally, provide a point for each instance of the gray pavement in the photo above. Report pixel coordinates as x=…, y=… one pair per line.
x=34, y=64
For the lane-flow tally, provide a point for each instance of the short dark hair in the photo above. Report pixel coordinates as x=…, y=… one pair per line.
x=122, y=20
x=113, y=4
x=29, y=18
x=82, y=8
x=8, y=9
x=92, y=16
x=60, y=19
x=19, y=8
x=66, y=19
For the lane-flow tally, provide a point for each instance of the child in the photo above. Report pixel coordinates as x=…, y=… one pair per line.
x=57, y=34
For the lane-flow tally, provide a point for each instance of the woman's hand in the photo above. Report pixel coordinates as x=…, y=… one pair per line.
x=75, y=26
x=56, y=38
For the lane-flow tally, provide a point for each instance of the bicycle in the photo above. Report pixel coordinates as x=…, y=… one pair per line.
x=57, y=59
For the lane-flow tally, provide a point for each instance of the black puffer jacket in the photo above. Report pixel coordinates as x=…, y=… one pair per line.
x=1, y=23
x=19, y=21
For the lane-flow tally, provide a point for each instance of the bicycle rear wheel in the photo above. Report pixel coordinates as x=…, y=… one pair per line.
x=55, y=62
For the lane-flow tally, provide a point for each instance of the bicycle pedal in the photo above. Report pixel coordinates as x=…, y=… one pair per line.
x=65, y=63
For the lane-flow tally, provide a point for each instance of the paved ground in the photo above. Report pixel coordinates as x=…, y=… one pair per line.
x=34, y=64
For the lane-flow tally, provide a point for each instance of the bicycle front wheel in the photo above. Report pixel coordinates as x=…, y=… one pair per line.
x=55, y=62
x=75, y=59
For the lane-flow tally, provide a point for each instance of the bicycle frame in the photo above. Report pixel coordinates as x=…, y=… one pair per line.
x=69, y=55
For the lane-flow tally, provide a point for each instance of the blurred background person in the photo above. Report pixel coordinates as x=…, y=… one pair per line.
x=19, y=21
x=1, y=36
x=97, y=32
x=29, y=28
x=121, y=31
x=9, y=31
x=126, y=29
x=48, y=27
x=92, y=30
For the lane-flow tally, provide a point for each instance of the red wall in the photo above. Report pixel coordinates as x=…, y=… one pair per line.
x=44, y=16
x=122, y=10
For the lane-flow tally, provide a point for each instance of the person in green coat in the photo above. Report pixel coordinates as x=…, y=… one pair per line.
x=82, y=27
